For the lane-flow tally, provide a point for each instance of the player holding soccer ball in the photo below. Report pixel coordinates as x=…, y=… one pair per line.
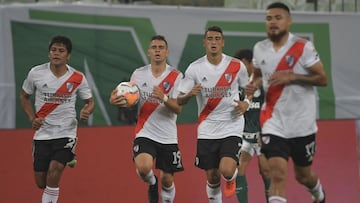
x=156, y=132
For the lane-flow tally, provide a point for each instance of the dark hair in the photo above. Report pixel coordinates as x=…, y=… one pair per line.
x=61, y=40
x=244, y=54
x=278, y=5
x=214, y=29
x=159, y=37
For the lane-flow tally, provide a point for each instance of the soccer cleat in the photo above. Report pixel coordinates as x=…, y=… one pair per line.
x=153, y=193
x=72, y=163
x=318, y=201
x=230, y=187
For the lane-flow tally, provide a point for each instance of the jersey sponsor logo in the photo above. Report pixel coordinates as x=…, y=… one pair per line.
x=60, y=95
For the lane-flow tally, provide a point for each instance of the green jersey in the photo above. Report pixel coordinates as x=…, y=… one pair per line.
x=252, y=116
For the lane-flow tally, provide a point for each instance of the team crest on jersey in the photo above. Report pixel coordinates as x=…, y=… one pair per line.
x=228, y=77
x=290, y=60
x=69, y=86
x=166, y=86
x=265, y=139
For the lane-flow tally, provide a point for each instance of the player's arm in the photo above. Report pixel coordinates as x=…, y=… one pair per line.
x=255, y=82
x=27, y=106
x=183, y=98
x=317, y=76
x=88, y=108
x=168, y=102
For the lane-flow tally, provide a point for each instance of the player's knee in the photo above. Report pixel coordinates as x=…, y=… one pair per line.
x=41, y=185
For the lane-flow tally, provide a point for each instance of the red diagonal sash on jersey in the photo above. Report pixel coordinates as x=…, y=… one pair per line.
x=74, y=81
x=149, y=107
x=233, y=68
x=274, y=92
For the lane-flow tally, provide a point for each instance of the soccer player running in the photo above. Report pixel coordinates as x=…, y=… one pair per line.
x=251, y=135
x=156, y=132
x=56, y=86
x=215, y=79
x=290, y=67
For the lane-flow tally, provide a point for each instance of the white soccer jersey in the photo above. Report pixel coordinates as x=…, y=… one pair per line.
x=156, y=121
x=220, y=87
x=294, y=111
x=55, y=100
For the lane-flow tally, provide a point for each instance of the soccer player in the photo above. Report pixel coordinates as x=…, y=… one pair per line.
x=251, y=135
x=290, y=67
x=215, y=79
x=56, y=86
x=156, y=131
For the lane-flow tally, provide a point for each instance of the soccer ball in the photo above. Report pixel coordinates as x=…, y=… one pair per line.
x=130, y=91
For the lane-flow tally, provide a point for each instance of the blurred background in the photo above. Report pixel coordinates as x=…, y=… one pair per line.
x=297, y=5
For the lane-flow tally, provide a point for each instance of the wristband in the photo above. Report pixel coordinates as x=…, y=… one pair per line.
x=165, y=98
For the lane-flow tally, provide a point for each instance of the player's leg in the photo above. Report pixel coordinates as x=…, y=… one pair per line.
x=241, y=182
x=304, y=151
x=213, y=189
x=168, y=187
x=276, y=150
x=41, y=152
x=229, y=162
x=264, y=171
x=144, y=152
x=207, y=159
x=169, y=162
x=62, y=153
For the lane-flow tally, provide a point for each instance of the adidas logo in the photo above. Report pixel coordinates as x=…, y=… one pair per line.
x=204, y=79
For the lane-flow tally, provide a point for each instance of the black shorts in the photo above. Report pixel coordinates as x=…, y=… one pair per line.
x=300, y=149
x=210, y=151
x=61, y=150
x=167, y=156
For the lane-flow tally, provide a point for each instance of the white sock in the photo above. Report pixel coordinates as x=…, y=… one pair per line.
x=168, y=194
x=277, y=199
x=50, y=195
x=213, y=192
x=150, y=178
x=317, y=192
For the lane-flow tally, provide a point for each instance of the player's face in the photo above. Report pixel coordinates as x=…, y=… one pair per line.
x=158, y=51
x=213, y=42
x=278, y=23
x=58, y=55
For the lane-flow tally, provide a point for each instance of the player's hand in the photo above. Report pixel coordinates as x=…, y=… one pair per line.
x=240, y=107
x=195, y=90
x=157, y=93
x=281, y=78
x=36, y=123
x=85, y=113
x=117, y=100
x=250, y=89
